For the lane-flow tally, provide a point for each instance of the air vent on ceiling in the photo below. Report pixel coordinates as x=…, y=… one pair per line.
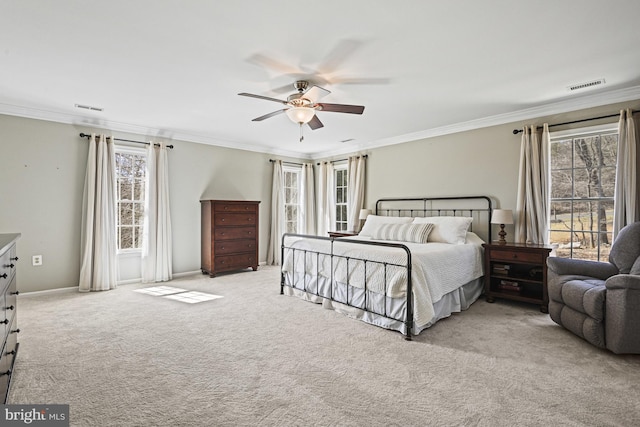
x=88, y=107
x=586, y=85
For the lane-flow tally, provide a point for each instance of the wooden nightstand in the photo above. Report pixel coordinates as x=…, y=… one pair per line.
x=343, y=233
x=516, y=271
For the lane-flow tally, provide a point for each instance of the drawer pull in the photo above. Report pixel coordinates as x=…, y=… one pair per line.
x=222, y=219
x=10, y=307
x=5, y=321
x=5, y=373
x=16, y=331
x=12, y=265
x=15, y=293
x=3, y=276
x=13, y=259
x=9, y=353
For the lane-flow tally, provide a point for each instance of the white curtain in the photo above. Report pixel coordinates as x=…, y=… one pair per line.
x=308, y=199
x=625, y=210
x=98, y=251
x=156, y=236
x=277, y=223
x=355, y=196
x=532, y=208
x=326, y=199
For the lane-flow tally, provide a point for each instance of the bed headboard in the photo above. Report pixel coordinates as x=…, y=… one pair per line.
x=476, y=207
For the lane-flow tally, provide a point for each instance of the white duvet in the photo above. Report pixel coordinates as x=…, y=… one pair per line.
x=437, y=268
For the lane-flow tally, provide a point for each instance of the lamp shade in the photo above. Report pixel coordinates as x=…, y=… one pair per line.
x=364, y=213
x=300, y=114
x=502, y=216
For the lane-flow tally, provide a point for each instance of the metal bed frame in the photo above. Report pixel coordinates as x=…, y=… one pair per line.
x=402, y=207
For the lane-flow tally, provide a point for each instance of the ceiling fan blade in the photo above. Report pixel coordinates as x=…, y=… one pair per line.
x=272, y=64
x=361, y=80
x=266, y=116
x=315, y=123
x=342, y=108
x=251, y=95
x=338, y=55
x=314, y=93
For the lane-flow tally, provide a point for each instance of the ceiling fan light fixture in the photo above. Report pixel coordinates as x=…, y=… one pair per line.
x=300, y=115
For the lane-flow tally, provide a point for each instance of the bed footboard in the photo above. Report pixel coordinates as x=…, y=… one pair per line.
x=316, y=266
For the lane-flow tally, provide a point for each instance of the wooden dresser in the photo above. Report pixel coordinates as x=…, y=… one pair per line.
x=8, y=308
x=229, y=238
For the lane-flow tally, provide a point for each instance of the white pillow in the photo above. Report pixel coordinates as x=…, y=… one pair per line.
x=447, y=229
x=416, y=233
x=374, y=222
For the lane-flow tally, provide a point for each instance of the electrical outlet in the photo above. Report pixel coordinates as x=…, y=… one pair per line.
x=36, y=260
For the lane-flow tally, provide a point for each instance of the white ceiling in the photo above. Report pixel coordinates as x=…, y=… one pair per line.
x=421, y=68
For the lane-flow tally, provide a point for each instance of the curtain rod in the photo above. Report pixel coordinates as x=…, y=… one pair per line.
x=288, y=163
x=84, y=135
x=364, y=156
x=517, y=131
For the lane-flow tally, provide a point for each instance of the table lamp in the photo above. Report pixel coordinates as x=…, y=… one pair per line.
x=364, y=213
x=502, y=217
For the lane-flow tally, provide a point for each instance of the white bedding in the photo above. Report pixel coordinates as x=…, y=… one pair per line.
x=437, y=268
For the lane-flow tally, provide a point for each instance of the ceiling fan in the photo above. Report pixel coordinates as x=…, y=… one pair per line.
x=301, y=107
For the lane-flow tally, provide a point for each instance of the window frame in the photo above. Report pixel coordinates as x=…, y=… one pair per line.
x=137, y=151
x=584, y=132
x=298, y=172
x=341, y=225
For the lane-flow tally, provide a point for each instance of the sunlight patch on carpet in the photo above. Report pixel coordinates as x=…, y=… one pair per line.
x=192, y=297
x=160, y=290
x=178, y=294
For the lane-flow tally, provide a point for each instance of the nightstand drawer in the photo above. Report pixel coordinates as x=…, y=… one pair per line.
x=513, y=256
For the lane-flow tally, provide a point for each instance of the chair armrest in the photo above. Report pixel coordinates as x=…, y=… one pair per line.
x=623, y=281
x=622, y=320
x=580, y=267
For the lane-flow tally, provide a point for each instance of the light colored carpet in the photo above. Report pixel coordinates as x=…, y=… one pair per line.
x=255, y=357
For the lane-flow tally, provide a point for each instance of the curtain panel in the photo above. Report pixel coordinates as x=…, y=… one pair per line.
x=156, y=237
x=277, y=222
x=308, y=199
x=625, y=210
x=326, y=206
x=355, y=197
x=98, y=248
x=534, y=182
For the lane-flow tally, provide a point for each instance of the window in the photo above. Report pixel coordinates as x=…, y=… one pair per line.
x=130, y=174
x=342, y=185
x=292, y=208
x=583, y=171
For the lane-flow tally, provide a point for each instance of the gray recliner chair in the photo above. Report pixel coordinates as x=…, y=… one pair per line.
x=600, y=301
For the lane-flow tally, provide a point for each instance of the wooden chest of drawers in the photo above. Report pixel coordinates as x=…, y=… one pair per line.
x=229, y=238
x=8, y=308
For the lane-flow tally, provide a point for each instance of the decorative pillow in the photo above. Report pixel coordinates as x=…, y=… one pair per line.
x=447, y=229
x=416, y=233
x=374, y=222
x=635, y=269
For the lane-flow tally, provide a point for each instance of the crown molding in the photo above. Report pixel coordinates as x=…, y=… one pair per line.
x=115, y=127
x=565, y=106
x=568, y=105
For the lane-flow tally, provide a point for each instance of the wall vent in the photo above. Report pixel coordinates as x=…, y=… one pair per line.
x=586, y=85
x=88, y=107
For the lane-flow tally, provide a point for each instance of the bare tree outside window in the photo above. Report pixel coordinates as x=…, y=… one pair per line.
x=130, y=176
x=583, y=169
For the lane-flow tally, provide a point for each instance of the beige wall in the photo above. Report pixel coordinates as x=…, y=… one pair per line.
x=43, y=166
x=42, y=175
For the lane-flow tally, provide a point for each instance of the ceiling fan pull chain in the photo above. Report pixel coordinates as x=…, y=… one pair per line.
x=301, y=136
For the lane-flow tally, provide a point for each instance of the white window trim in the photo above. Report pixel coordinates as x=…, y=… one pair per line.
x=139, y=151
x=298, y=171
x=336, y=168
